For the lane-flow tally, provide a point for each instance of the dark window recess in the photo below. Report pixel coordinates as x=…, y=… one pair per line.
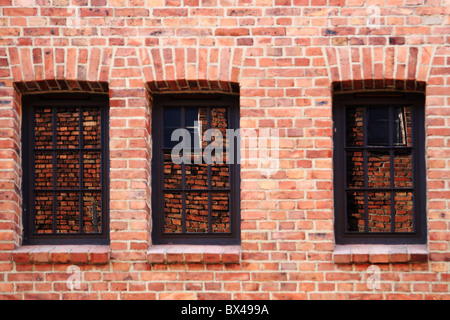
x=196, y=201
x=379, y=171
x=65, y=164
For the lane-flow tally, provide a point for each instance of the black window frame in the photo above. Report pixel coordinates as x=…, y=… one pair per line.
x=417, y=103
x=160, y=102
x=63, y=100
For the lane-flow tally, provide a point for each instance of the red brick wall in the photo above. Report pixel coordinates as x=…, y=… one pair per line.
x=286, y=58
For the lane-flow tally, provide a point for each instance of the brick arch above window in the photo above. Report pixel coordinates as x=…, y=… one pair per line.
x=192, y=86
x=366, y=68
x=60, y=85
x=191, y=69
x=41, y=65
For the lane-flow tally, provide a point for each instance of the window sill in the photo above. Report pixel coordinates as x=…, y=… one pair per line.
x=75, y=254
x=193, y=254
x=345, y=254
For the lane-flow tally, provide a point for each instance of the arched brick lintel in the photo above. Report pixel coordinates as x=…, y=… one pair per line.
x=51, y=85
x=378, y=68
x=42, y=66
x=193, y=86
x=379, y=84
x=191, y=69
x=41, y=69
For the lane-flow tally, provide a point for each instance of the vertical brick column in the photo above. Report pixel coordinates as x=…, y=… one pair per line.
x=438, y=150
x=10, y=166
x=130, y=153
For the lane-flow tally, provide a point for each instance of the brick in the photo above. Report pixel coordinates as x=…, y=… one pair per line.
x=99, y=255
x=397, y=40
x=60, y=257
x=231, y=32
x=20, y=11
x=22, y=257
x=95, y=12
x=170, y=12
x=342, y=258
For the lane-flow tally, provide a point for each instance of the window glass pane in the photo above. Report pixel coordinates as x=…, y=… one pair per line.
x=67, y=128
x=354, y=126
x=403, y=173
x=219, y=124
x=92, y=218
x=203, y=123
x=378, y=169
x=43, y=218
x=91, y=128
x=173, y=208
x=378, y=126
x=196, y=122
x=168, y=143
x=355, y=211
x=43, y=170
x=67, y=212
x=192, y=116
x=402, y=126
x=220, y=206
x=379, y=211
x=220, y=176
x=172, y=117
x=193, y=144
x=197, y=212
x=172, y=121
x=404, y=211
x=219, y=119
x=407, y=111
x=91, y=170
x=355, y=169
x=172, y=172
x=180, y=138
x=196, y=176
x=43, y=130
x=67, y=167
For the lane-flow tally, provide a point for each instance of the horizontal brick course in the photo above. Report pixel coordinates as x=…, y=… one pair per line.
x=193, y=254
x=346, y=254
x=62, y=254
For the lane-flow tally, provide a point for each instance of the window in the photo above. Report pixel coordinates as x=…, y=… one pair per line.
x=195, y=175
x=379, y=174
x=65, y=169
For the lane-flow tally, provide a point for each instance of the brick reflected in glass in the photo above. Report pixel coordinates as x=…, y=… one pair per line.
x=379, y=166
x=201, y=202
x=67, y=163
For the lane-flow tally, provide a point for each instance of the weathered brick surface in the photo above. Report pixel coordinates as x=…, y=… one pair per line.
x=285, y=58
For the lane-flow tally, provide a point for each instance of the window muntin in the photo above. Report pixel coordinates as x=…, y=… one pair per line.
x=196, y=201
x=379, y=169
x=65, y=163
